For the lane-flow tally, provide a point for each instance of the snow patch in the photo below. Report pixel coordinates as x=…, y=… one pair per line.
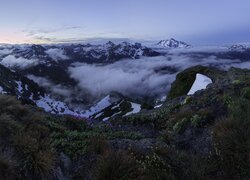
x=158, y=106
x=105, y=119
x=135, y=109
x=200, y=83
x=2, y=91
x=19, y=89
x=55, y=107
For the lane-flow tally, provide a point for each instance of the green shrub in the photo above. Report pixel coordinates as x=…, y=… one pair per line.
x=245, y=92
x=228, y=100
x=184, y=113
x=72, y=143
x=196, y=120
x=180, y=126
x=236, y=82
x=207, y=114
x=187, y=100
x=166, y=136
x=153, y=166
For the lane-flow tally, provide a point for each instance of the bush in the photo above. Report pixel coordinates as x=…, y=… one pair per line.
x=98, y=145
x=7, y=169
x=72, y=143
x=37, y=157
x=236, y=82
x=39, y=165
x=10, y=105
x=177, y=118
x=232, y=141
x=228, y=100
x=196, y=120
x=74, y=123
x=153, y=166
x=166, y=136
x=8, y=127
x=187, y=100
x=246, y=93
x=203, y=116
x=115, y=165
x=33, y=147
x=180, y=126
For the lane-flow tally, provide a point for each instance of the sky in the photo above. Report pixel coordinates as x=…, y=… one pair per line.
x=68, y=21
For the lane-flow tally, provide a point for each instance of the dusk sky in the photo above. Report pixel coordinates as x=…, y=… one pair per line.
x=56, y=21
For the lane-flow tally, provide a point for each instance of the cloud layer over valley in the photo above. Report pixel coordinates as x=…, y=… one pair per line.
x=12, y=62
x=142, y=77
x=56, y=54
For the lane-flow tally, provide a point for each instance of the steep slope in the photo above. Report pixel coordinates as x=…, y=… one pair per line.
x=202, y=136
x=29, y=92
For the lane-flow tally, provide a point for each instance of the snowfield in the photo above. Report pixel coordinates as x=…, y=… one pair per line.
x=55, y=107
x=200, y=83
x=136, y=108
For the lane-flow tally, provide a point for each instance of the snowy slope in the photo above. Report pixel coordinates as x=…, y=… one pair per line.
x=104, y=103
x=135, y=109
x=56, y=107
x=200, y=83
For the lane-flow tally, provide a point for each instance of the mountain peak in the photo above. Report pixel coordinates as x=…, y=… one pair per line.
x=110, y=44
x=172, y=43
x=238, y=47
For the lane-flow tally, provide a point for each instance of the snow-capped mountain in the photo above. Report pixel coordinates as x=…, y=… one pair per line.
x=107, y=52
x=239, y=47
x=172, y=43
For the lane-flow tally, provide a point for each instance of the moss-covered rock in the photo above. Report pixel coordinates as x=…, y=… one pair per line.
x=185, y=79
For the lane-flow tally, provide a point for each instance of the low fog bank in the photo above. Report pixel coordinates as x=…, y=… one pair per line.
x=13, y=62
x=73, y=96
x=145, y=77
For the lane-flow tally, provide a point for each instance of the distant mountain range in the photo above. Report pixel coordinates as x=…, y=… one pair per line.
x=29, y=71
x=82, y=52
